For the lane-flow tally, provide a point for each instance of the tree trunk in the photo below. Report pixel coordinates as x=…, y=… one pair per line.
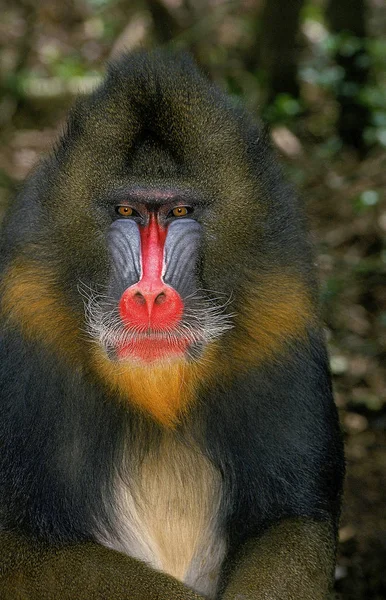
x=350, y=16
x=278, y=45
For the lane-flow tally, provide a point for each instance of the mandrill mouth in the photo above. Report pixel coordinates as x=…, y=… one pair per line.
x=153, y=346
x=203, y=321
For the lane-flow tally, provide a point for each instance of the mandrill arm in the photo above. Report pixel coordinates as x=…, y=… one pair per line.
x=293, y=560
x=85, y=571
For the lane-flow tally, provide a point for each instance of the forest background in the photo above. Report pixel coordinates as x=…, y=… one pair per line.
x=315, y=71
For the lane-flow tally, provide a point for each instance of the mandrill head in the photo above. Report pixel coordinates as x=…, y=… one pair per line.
x=157, y=247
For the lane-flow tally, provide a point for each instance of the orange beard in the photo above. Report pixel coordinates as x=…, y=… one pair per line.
x=165, y=389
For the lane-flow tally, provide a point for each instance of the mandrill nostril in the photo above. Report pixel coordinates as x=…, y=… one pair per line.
x=139, y=298
x=160, y=299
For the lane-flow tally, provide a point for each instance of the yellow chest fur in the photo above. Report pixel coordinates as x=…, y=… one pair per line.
x=169, y=516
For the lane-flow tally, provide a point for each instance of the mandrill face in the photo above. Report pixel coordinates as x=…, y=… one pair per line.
x=153, y=309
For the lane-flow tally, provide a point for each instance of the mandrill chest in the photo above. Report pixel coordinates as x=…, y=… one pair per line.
x=168, y=516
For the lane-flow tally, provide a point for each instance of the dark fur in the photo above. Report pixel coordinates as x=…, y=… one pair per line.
x=273, y=432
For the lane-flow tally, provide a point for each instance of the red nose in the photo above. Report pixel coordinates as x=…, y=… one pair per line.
x=158, y=307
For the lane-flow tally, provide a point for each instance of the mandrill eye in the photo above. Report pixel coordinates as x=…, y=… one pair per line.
x=180, y=211
x=125, y=211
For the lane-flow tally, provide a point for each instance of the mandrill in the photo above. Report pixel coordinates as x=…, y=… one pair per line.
x=167, y=427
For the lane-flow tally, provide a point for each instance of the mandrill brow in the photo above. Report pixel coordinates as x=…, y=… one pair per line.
x=168, y=430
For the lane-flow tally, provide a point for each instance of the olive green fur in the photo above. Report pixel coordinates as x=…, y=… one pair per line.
x=292, y=561
x=86, y=571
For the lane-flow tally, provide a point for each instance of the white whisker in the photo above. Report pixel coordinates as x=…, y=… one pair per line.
x=204, y=320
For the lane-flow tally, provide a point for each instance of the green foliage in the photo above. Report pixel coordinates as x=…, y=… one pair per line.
x=70, y=66
x=343, y=43
x=111, y=29
x=283, y=110
x=374, y=97
x=312, y=12
x=331, y=289
x=97, y=4
x=329, y=148
x=366, y=201
x=368, y=400
x=321, y=70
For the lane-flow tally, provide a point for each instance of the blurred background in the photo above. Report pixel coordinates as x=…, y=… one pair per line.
x=315, y=71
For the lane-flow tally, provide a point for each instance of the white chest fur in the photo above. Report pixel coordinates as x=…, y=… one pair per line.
x=168, y=516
